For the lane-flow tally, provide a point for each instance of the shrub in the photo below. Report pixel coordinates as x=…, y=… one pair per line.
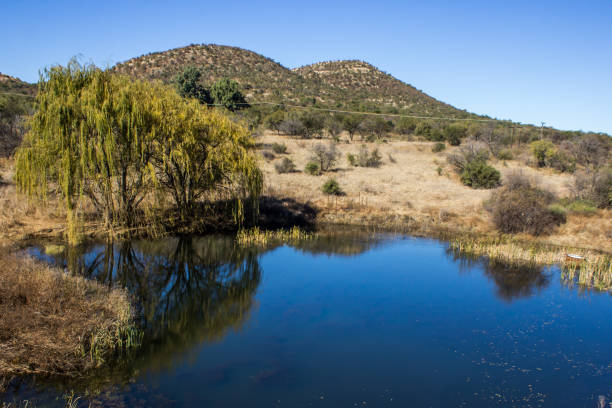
x=279, y=148
x=504, y=154
x=292, y=127
x=438, y=147
x=469, y=152
x=285, y=166
x=326, y=157
x=351, y=159
x=268, y=155
x=519, y=206
x=312, y=168
x=365, y=159
x=582, y=207
x=454, y=133
x=594, y=186
x=331, y=187
x=478, y=174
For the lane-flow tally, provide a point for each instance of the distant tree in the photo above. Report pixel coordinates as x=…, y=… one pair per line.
x=226, y=92
x=274, y=120
x=377, y=127
x=325, y=157
x=454, y=132
x=292, y=127
x=188, y=86
x=333, y=125
x=313, y=124
x=406, y=126
x=351, y=124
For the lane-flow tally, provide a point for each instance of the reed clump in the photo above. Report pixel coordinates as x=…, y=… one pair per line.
x=591, y=270
x=259, y=237
x=52, y=323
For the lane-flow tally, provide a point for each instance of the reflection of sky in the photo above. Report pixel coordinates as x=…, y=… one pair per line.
x=403, y=323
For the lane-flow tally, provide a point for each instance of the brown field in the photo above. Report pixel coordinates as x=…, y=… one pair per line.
x=407, y=188
x=405, y=191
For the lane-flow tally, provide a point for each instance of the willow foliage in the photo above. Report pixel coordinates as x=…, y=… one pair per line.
x=113, y=142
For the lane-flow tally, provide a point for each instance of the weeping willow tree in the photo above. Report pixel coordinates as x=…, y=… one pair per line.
x=200, y=151
x=113, y=142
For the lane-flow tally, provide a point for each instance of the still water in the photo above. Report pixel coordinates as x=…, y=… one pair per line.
x=343, y=321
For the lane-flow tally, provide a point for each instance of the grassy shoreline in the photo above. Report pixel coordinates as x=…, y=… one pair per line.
x=53, y=323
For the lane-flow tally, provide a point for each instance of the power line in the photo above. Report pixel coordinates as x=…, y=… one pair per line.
x=17, y=94
x=395, y=115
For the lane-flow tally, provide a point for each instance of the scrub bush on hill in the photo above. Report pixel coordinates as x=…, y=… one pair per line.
x=331, y=187
x=364, y=158
x=478, y=174
x=285, y=166
x=325, y=157
x=312, y=168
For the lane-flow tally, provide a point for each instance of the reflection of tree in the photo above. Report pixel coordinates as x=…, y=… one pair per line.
x=189, y=290
x=347, y=242
x=512, y=281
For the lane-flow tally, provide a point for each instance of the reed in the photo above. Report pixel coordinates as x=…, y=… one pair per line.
x=258, y=237
x=594, y=271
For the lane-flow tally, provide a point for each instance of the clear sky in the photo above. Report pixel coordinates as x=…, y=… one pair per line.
x=529, y=61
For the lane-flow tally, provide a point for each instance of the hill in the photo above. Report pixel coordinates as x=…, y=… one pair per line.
x=9, y=84
x=360, y=82
x=341, y=84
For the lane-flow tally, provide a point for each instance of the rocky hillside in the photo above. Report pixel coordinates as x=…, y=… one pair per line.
x=341, y=84
x=359, y=82
x=10, y=84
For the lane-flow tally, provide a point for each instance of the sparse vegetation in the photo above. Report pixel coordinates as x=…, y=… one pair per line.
x=285, y=166
x=325, y=157
x=438, y=147
x=365, y=158
x=279, y=148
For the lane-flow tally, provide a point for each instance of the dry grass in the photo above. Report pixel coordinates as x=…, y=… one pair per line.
x=53, y=323
x=20, y=219
x=409, y=190
x=261, y=238
x=594, y=271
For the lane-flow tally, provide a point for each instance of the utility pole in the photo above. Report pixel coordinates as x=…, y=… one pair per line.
x=542, y=130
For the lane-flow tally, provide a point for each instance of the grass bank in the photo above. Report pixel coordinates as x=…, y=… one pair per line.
x=591, y=269
x=52, y=323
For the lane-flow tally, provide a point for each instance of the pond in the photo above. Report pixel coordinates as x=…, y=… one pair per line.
x=352, y=319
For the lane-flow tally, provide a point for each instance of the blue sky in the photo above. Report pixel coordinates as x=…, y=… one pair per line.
x=529, y=61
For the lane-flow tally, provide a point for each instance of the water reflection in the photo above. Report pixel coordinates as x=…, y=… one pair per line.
x=189, y=289
x=512, y=282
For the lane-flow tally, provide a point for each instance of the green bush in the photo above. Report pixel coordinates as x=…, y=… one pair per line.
x=438, y=147
x=454, y=133
x=279, y=148
x=351, y=159
x=478, y=174
x=285, y=166
x=542, y=150
x=331, y=187
x=312, y=168
x=504, y=154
